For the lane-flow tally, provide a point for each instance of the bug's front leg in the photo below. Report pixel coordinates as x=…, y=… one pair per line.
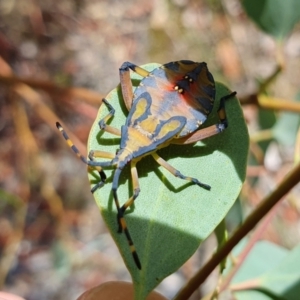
x=103, y=122
x=96, y=165
x=125, y=80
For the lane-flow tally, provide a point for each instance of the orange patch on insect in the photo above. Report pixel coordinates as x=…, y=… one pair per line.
x=123, y=223
x=222, y=114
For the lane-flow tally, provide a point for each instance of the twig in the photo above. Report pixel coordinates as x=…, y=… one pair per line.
x=266, y=205
x=52, y=88
x=254, y=238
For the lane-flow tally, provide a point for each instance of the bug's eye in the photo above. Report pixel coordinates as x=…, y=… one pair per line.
x=179, y=89
x=188, y=78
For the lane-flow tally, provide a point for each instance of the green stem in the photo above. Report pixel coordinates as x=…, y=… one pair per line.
x=266, y=205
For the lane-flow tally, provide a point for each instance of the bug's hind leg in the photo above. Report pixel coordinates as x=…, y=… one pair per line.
x=211, y=130
x=121, y=210
x=222, y=111
x=125, y=80
x=177, y=173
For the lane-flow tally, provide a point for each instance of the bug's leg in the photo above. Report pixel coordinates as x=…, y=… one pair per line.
x=96, y=165
x=102, y=122
x=136, y=191
x=121, y=210
x=102, y=154
x=177, y=173
x=211, y=130
x=125, y=80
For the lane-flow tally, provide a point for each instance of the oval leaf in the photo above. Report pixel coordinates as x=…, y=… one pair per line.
x=275, y=17
x=171, y=217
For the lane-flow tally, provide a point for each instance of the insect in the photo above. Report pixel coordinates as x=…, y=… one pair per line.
x=168, y=107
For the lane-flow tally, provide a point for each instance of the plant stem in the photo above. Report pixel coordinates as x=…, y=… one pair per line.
x=265, y=206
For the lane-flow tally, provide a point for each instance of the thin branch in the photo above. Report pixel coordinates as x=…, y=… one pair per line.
x=252, y=241
x=266, y=205
x=52, y=88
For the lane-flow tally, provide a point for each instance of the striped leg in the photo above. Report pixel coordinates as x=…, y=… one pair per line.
x=177, y=173
x=120, y=215
x=125, y=80
x=96, y=165
x=101, y=154
x=211, y=130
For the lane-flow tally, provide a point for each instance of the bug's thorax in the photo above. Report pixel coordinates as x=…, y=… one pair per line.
x=122, y=158
x=137, y=140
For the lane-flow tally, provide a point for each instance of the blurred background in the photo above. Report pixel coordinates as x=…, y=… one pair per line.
x=57, y=60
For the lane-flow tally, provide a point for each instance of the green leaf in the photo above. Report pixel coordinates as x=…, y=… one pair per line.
x=274, y=270
x=235, y=215
x=275, y=17
x=171, y=217
x=263, y=257
x=284, y=280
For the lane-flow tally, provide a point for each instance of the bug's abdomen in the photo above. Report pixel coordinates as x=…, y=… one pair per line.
x=180, y=89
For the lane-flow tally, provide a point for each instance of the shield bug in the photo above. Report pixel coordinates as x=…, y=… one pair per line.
x=167, y=107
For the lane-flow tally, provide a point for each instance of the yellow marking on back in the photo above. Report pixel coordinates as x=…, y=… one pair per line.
x=167, y=127
x=140, y=108
x=148, y=126
x=137, y=139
